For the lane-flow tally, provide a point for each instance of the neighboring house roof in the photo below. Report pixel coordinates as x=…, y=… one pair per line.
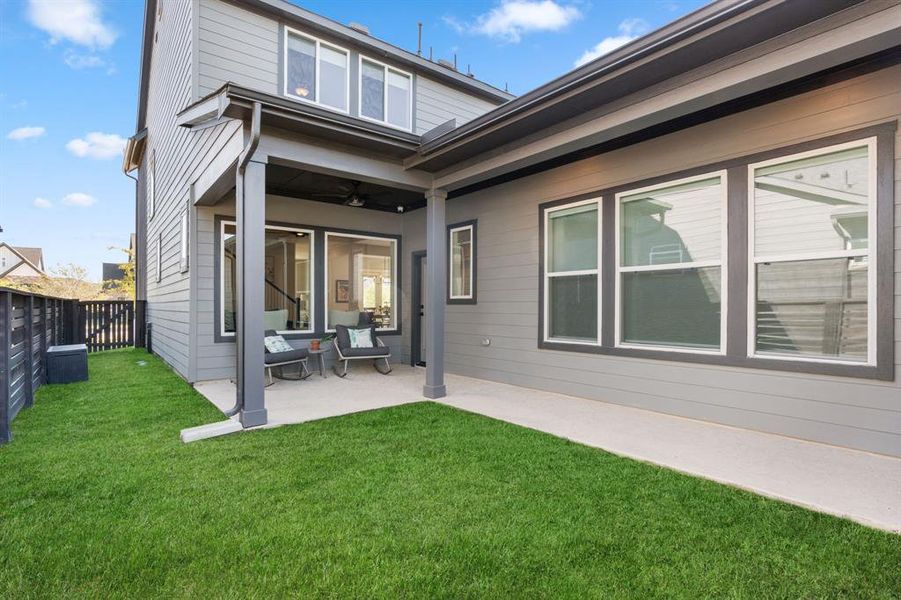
x=33, y=257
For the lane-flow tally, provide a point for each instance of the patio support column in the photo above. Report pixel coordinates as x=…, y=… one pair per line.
x=436, y=282
x=250, y=210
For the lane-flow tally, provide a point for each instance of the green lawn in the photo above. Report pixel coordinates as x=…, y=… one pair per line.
x=99, y=498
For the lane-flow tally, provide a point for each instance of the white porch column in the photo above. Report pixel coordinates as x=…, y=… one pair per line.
x=436, y=282
x=250, y=209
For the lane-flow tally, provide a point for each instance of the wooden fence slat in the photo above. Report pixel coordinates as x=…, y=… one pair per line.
x=29, y=351
x=5, y=333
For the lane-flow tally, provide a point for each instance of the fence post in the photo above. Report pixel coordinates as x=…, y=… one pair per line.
x=43, y=339
x=5, y=334
x=140, y=324
x=29, y=351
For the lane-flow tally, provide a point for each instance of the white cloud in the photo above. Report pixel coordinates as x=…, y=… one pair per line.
x=79, y=199
x=97, y=145
x=83, y=61
x=629, y=30
x=78, y=21
x=24, y=133
x=513, y=18
x=42, y=203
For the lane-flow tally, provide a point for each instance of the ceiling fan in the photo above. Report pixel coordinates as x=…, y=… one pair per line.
x=352, y=197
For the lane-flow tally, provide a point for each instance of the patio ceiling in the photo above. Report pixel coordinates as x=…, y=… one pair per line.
x=282, y=180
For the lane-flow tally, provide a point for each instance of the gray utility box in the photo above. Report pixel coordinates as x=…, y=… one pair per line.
x=66, y=364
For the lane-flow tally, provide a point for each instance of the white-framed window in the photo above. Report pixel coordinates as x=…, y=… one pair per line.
x=461, y=256
x=185, y=239
x=671, y=245
x=159, y=257
x=151, y=186
x=316, y=71
x=572, y=255
x=386, y=94
x=360, y=276
x=812, y=259
x=289, y=263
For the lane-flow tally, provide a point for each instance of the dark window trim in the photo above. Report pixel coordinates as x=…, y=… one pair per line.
x=318, y=278
x=737, y=259
x=474, y=223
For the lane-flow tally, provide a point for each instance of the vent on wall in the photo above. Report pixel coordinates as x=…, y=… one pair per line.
x=358, y=27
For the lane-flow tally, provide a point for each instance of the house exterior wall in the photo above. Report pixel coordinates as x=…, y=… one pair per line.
x=8, y=258
x=216, y=357
x=859, y=413
x=239, y=45
x=179, y=156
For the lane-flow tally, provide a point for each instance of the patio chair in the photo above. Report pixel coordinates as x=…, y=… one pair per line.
x=284, y=358
x=346, y=352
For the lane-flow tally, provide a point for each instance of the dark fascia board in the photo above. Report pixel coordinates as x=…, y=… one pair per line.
x=236, y=102
x=712, y=32
x=146, y=54
x=310, y=21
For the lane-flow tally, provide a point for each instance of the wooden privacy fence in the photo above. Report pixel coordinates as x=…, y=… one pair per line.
x=31, y=323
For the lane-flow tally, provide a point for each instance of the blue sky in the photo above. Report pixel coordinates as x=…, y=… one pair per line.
x=69, y=78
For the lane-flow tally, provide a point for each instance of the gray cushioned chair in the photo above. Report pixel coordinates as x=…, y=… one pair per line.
x=346, y=354
x=280, y=359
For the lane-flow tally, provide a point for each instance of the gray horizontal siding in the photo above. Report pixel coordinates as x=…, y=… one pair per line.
x=180, y=157
x=239, y=45
x=437, y=103
x=864, y=414
x=235, y=45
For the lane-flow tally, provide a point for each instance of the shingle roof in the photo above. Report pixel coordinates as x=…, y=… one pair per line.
x=33, y=255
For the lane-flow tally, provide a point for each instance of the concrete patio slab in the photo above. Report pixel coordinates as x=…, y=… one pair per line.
x=315, y=398
x=848, y=483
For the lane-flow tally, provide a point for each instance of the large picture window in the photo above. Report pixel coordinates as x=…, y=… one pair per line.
x=316, y=71
x=571, y=257
x=360, y=277
x=461, y=258
x=288, y=285
x=386, y=94
x=812, y=272
x=671, y=249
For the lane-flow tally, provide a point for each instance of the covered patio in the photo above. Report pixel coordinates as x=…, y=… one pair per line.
x=340, y=187
x=848, y=483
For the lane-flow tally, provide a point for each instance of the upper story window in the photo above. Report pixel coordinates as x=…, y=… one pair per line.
x=386, y=94
x=316, y=71
x=812, y=275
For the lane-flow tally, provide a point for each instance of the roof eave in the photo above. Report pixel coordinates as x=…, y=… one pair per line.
x=232, y=101
x=691, y=24
x=379, y=48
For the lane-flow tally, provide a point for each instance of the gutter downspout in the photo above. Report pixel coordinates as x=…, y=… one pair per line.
x=243, y=159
